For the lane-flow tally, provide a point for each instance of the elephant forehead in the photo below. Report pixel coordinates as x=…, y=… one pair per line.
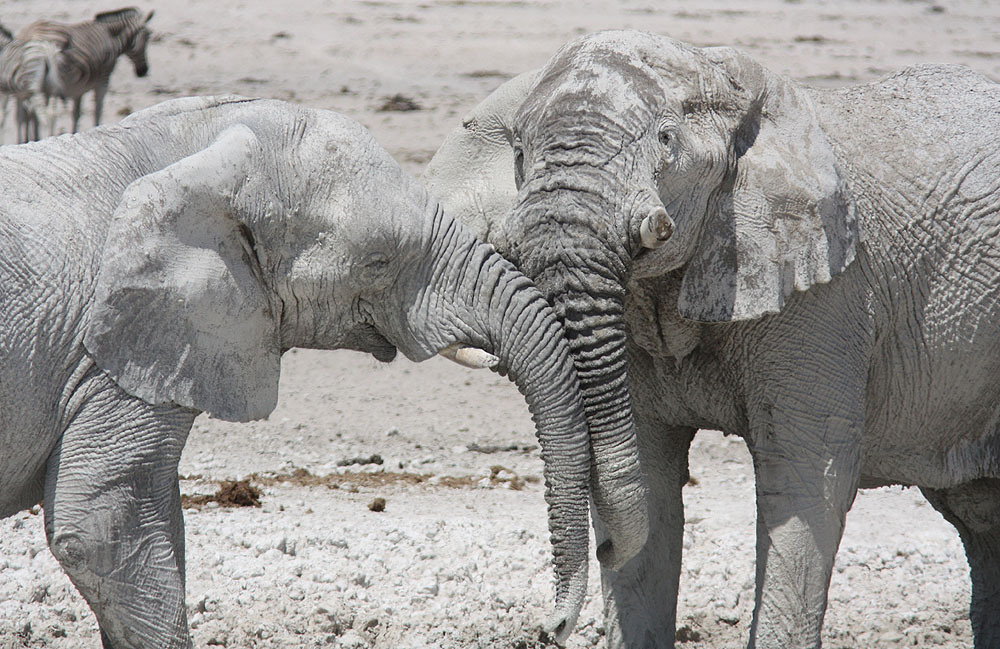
x=609, y=82
x=611, y=73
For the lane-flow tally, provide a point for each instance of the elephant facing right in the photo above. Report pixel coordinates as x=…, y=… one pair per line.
x=817, y=271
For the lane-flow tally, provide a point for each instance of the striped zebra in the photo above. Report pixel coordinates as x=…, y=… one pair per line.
x=5, y=38
x=27, y=73
x=88, y=52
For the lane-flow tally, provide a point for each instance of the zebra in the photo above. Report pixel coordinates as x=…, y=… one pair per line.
x=27, y=73
x=88, y=52
x=5, y=38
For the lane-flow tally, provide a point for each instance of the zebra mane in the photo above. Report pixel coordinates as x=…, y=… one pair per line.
x=118, y=15
x=124, y=23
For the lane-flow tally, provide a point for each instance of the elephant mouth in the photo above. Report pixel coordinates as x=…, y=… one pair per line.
x=366, y=338
x=385, y=354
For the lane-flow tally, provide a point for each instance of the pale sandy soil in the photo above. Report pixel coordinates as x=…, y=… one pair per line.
x=467, y=566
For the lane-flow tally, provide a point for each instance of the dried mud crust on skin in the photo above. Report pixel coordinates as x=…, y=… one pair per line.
x=469, y=565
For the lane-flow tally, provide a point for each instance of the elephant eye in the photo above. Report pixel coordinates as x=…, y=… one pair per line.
x=375, y=261
x=373, y=271
x=667, y=135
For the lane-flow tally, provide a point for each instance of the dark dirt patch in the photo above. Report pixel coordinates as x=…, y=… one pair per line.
x=238, y=493
x=500, y=448
x=543, y=641
x=687, y=634
x=231, y=493
x=377, y=505
x=303, y=477
x=488, y=74
x=371, y=459
x=399, y=103
x=499, y=476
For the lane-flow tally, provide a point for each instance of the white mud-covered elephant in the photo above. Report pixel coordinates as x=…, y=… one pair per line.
x=816, y=271
x=159, y=268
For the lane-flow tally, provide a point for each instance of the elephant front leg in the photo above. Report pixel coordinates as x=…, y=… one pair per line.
x=640, y=600
x=113, y=516
x=807, y=477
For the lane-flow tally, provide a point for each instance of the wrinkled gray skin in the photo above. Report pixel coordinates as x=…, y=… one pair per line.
x=159, y=268
x=829, y=293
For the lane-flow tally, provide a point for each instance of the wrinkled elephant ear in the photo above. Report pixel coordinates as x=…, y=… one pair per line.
x=787, y=222
x=472, y=173
x=180, y=313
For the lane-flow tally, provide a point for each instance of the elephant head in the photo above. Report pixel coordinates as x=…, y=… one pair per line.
x=633, y=156
x=287, y=227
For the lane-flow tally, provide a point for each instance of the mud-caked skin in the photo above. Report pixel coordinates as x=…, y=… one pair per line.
x=159, y=268
x=817, y=271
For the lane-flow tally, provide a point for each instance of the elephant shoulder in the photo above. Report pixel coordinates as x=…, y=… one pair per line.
x=936, y=79
x=933, y=94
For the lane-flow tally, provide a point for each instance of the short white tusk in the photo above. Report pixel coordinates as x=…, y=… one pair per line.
x=656, y=228
x=477, y=359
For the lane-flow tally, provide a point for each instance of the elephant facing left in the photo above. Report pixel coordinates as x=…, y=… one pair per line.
x=156, y=269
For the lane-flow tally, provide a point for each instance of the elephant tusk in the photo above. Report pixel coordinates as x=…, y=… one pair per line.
x=656, y=228
x=469, y=356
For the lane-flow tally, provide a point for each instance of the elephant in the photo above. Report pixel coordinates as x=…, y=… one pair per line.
x=814, y=270
x=158, y=268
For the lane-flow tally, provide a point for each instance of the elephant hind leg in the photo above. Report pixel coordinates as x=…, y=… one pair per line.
x=974, y=509
x=113, y=517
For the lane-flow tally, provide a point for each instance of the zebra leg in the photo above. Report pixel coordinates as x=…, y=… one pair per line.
x=76, y=113
x=50, y=105
x=35, y=105
x=22, y=122
x=3, y=116
x=99, y=92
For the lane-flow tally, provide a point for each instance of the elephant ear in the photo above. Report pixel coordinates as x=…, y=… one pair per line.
x=786, y=222
x=472, y=173
x=180, y=313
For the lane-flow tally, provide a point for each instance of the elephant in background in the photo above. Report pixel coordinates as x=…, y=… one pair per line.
x=159, y=268
x=816, y=271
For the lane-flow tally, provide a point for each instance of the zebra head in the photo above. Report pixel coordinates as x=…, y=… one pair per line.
x=129, y=27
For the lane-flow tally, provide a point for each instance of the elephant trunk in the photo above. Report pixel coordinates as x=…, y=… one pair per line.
x=584, y=281
x=509, y=317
